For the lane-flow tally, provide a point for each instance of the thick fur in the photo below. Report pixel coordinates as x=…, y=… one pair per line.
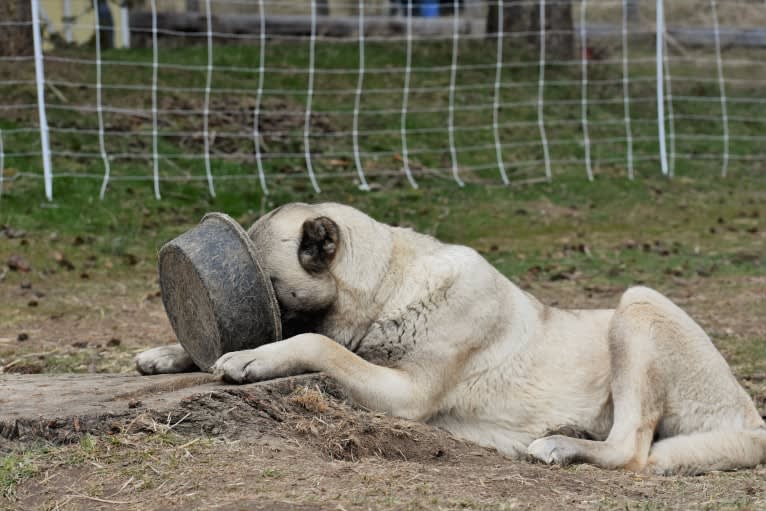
x=432, y=332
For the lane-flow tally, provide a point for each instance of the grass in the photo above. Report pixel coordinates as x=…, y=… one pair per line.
x=142, y=459
x=689, y=227
x=14, y=468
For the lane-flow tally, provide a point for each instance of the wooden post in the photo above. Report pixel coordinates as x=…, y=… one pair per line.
x=524, y=16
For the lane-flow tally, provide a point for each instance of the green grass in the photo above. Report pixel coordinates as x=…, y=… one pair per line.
x=614, y=230
x=121, y=455
x=15, y=468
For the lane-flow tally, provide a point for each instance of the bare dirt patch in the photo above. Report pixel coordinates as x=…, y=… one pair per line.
x=305, y=447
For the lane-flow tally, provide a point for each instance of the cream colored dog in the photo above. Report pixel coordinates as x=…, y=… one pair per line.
x=432, y=332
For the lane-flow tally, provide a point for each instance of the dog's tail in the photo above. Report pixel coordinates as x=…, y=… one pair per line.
x=698, y=453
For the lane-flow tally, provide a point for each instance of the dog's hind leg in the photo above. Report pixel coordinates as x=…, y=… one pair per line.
x=667, y=377
x=698, y=453
x=636, y=397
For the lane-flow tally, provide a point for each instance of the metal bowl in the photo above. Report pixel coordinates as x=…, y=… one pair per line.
x=215, y=293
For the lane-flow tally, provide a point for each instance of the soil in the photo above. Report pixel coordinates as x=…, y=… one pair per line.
x=303, y=446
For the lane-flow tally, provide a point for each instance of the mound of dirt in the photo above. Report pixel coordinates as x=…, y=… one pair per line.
x=310, y=409
x=313, y=410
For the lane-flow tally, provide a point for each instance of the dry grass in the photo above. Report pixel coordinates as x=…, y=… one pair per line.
x=283, y=468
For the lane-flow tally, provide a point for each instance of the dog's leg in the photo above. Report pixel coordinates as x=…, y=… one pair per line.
x=637, y=402
x=702, y=452
x=384, y=389
x=165, y=359
x=665, y=367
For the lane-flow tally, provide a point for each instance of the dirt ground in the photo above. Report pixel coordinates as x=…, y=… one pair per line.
x=307, y=448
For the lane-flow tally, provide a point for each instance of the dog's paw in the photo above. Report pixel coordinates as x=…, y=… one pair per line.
x=249, y=366
x=555, y=449
x=165, y=359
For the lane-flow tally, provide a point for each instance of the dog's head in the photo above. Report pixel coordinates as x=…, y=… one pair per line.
x=308, y=253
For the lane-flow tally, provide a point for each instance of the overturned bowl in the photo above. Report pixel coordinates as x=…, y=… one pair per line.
x=215, y=293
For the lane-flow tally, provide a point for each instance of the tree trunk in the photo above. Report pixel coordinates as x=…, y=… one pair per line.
x=521, y=16
x=17, y=39
x=559, y=30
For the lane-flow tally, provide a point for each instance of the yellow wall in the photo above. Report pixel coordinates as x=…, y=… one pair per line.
x=83, y=29
x=83, y=26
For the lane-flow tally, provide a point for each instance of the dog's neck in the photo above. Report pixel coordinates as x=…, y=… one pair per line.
x=376, y=276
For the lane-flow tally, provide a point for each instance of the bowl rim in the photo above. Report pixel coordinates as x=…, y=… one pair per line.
x=250, y=248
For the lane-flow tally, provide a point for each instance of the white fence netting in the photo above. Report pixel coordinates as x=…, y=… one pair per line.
x=299, y=92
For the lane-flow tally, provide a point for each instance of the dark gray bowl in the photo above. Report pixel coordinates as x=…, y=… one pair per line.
x=215, y=293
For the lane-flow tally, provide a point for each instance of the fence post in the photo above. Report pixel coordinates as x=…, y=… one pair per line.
x=309, y=98
x=660, y=27
x=541, y=95
x=259, y=95
x=40, y=79
x=722, y=87
x=68, y=20
x=2, y=163
x=626, y=87
x=125, y=23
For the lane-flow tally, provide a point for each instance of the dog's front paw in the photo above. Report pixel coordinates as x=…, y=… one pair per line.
x=163, y=360
x=249, y=366
x=554, y=449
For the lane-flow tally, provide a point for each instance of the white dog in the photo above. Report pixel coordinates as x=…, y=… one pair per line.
x=432, y=332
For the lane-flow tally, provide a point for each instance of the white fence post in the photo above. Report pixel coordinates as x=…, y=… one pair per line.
x=496, y=98
x=584, y=88
x=722, y=87
x=40, y=80
x=155, y=143
x=309, y=98
x=363, y=185
x=541, y=95
x=406, y=97
x=99, y=109
x=259, y=97
x=68, y=20
x=452, y=83
x=660, y=27
x=626, y=85
x=208, y=84
x=125, y=23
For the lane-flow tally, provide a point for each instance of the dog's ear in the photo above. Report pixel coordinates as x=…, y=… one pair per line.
x=319, y=243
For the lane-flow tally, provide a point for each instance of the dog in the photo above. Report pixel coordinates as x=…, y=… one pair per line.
x=432, y=332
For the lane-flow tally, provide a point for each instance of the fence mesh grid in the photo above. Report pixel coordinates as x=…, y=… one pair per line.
x=273, y=92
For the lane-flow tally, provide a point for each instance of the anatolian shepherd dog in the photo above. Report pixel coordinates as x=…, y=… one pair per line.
x=432, y=332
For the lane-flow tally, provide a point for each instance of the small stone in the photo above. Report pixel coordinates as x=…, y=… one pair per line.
x=114, y=341
x=25, y=284
x=18, y=263
x=32, y=303
x=23, y=336
x=134, y=403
